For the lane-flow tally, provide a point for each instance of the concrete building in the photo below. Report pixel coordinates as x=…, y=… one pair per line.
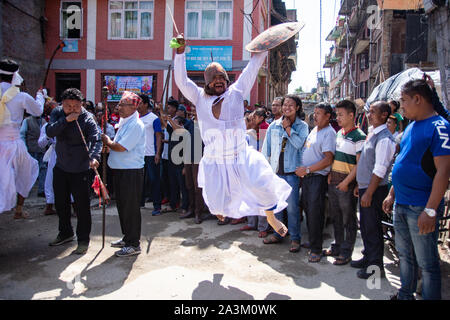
x=374, y=40
x=126, y=43
x=283, y=59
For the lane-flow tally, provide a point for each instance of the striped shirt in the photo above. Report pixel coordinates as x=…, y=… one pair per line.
x=347, y=146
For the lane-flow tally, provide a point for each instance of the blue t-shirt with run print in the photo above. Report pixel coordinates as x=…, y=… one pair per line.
x=414, y=169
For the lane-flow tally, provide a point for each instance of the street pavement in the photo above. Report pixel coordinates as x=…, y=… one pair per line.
x=179, y=260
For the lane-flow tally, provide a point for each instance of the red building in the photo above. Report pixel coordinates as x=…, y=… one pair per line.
x=125, y=44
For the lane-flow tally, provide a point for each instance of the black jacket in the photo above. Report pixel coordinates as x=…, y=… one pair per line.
x=71, y=153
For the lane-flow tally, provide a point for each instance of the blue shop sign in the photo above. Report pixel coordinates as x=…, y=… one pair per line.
x=198, y=57
x=70, y=46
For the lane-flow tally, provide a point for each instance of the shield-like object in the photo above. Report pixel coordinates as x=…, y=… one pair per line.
x=274, y=36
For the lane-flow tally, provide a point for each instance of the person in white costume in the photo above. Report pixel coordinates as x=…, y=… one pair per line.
x=19, y=170
x=236, y=179
x=50, y=158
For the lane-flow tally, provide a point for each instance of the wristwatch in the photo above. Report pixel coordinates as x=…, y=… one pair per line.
x=307, y=170
x=430, y=212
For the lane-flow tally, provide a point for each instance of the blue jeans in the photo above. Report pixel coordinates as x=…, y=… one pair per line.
x=417, y=251
x=293, y=210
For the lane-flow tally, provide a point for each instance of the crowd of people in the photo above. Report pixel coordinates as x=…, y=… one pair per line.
x=278, y=172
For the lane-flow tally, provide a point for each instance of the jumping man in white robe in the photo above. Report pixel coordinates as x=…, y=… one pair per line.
x=19, y=170
x=237, y=180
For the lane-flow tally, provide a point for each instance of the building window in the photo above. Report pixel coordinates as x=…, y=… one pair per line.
x=208, y=19
x=363, y=61
x=130, y=19
x=71, y=20
x=363, y=90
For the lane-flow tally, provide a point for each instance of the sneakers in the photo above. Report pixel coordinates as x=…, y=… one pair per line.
x=60, y=240
x=118, y=243
x=128, y=251
x=156, y=212
x=81, y=249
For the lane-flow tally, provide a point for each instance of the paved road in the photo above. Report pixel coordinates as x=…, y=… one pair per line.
x=179, y=260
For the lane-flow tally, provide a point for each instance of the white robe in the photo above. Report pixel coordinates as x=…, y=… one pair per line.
x=236, y=179
x=19, y=170
x=50, y=157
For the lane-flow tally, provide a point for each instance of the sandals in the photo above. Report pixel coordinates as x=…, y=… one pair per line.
x=314, y=257
x=272, y=239
x=166, y=210
x=330, y=252
x=295, y=246
x=340, y=260
x=263, y=234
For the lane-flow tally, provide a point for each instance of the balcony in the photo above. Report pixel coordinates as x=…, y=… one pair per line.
x=361, y=45
x=334, y=33
x=346, y=7
x=345, y=36
x=332, y=58
x=354, y=19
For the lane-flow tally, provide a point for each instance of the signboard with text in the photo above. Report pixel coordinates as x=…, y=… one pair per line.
x=137, y=84
x=198, y=57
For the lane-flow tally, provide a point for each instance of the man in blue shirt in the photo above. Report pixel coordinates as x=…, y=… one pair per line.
x=420, y=178
x=126, y=158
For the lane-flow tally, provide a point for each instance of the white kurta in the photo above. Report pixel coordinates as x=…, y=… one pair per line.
x=50, y=157
x=19, y=170
x=236, y=179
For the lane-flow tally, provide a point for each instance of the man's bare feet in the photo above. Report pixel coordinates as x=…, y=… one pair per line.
x=220, y=217
x=20, y=214
x=276, y=224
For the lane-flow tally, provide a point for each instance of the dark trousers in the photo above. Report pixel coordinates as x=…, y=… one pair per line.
x=177, y=184
x=196, y=202
x=128, y=188
x=165, y=184
x=343, y=215
x=152, y=182
x=314, y=188
x=77, y=184
x=372, y=228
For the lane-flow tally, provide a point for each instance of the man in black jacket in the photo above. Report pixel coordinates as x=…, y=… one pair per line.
x=71, y=172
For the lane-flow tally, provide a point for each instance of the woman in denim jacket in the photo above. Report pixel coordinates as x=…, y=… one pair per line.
x=283, y=148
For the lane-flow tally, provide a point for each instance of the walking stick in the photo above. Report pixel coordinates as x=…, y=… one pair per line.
x=103, y=191
x=166, y=89
x=104, y=125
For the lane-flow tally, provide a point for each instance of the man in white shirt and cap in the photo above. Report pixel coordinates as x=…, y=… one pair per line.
x=19, y=170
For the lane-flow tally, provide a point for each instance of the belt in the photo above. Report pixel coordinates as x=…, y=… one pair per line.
x=311, y=175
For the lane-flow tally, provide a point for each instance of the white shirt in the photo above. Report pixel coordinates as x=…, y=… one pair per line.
x=165, y=153
x=384, y=153
x=148, y=121
x=23, y=101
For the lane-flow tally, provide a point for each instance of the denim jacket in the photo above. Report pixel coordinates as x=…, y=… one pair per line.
x=294, y=146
